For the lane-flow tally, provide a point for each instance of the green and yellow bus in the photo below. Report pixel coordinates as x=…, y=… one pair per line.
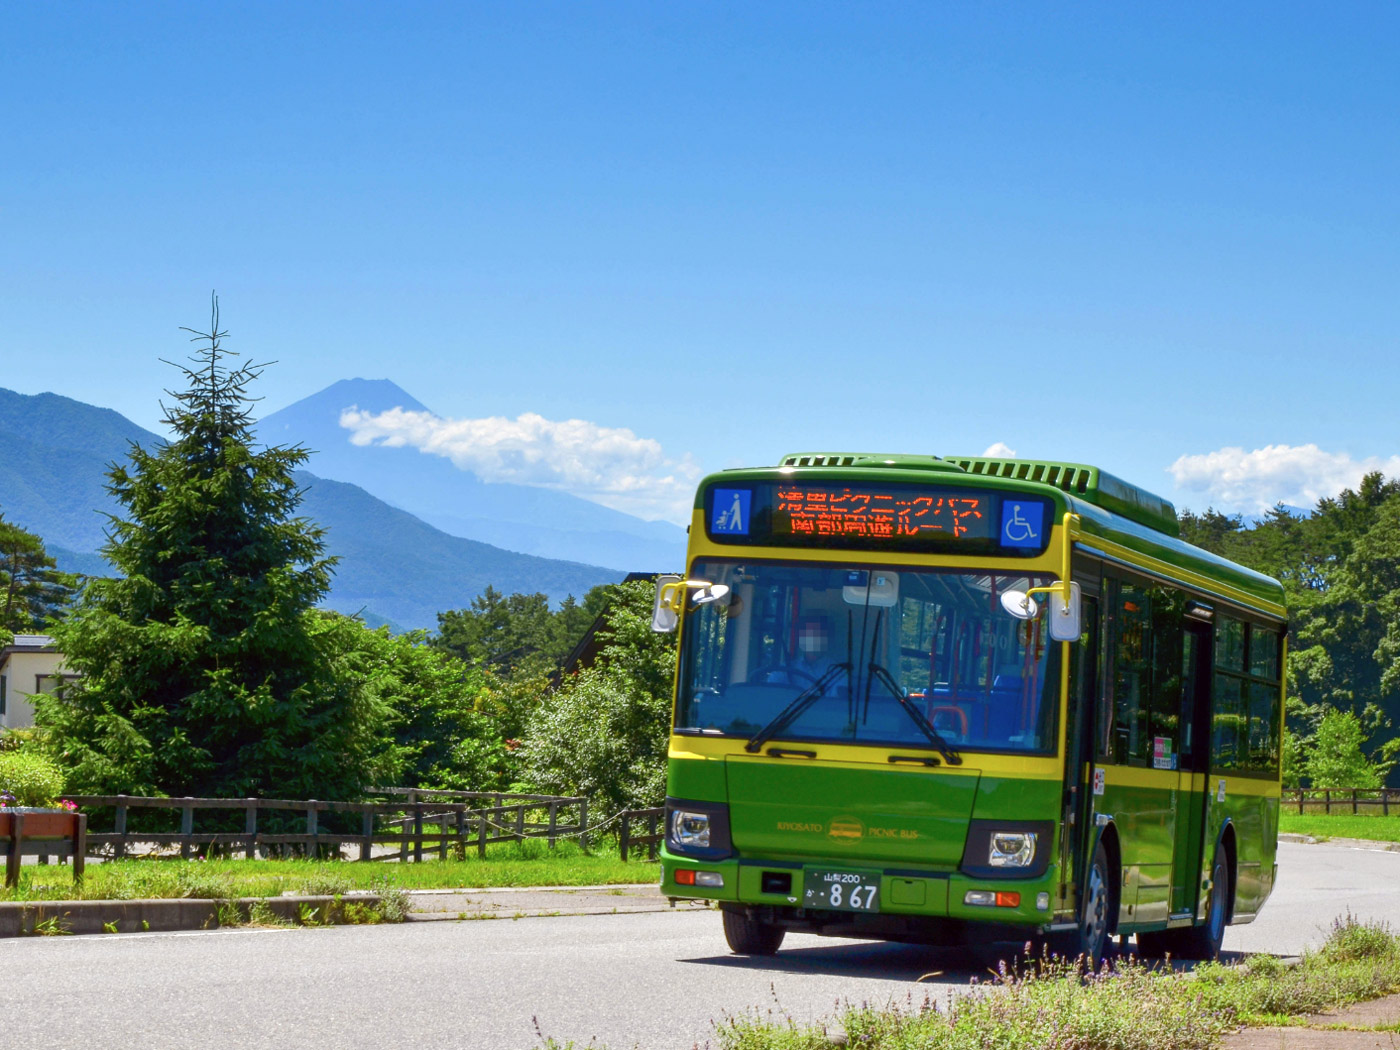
x=968, y=699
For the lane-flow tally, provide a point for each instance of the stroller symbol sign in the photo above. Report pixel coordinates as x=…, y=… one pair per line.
x=1022, y=523
x=730, y=513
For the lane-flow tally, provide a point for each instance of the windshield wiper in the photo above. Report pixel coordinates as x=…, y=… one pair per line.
x=925, y=727
x=800, y=703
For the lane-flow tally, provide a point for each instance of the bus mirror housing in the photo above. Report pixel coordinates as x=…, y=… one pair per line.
x=1064, y=614
x=665, y=616
x=1020, y=605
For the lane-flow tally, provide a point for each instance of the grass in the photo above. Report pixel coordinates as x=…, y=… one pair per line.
x=1375, y=827
x=1127, y=1006
x=506, y=864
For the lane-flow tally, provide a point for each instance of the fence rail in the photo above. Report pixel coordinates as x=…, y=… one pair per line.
x=416, y=821
x=1354, y=800
x=651, y=839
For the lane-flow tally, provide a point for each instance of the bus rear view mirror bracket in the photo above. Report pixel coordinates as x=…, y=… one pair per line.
x=1063, y=615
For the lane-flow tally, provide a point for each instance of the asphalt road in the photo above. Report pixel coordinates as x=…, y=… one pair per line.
x=655, y=980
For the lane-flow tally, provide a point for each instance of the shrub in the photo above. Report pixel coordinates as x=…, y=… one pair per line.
x=33, y=779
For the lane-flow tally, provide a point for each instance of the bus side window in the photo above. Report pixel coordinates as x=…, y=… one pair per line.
x=1130, y=680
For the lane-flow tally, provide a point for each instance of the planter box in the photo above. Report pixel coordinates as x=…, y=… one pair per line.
x=41, y=832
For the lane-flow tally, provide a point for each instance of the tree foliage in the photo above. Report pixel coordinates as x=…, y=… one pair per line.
x=204, y=671
x=1340, y=567
x=603, y=732
x=517, y=633
x=439, y=728
x=33, y=593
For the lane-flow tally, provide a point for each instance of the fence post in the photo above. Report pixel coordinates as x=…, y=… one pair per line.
x=1301, y=795
x=461, y=849
x=417, y=832
x=250, y=828
x=583, y=824
x=553, y=822
x=651, y=834
x=312, y=846
x=481, y=833
x=16, y=841
x=1385, y=801
x=366, y=835
x=1327, y=801
x=520, y=823
x=625, y=835
x=1353, y=800
x=443, y=833
x=120, y=828
x=186, y=829
x=79, y=847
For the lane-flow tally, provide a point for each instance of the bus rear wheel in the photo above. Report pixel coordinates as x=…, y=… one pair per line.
x=1195, y=943
x=748, y=935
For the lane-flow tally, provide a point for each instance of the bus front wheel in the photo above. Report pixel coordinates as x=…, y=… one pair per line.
x=748, y=935
x=1090, y=937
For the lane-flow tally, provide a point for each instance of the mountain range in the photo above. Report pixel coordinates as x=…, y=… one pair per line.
x=520, y=518
x=395, y=567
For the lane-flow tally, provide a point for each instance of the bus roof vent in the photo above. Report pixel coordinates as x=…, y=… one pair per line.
x=1090, y=484
x=867, y=459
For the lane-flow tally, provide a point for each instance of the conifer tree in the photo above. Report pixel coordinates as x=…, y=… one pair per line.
x=32, y=590
x=204, y=671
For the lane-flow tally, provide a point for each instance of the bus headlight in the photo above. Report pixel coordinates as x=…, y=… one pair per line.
x=1008, y=849
x=689, y=829
x=1011, y=849
x=697, y=829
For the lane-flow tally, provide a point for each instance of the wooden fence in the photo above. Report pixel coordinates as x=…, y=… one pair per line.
x=627, y=839
x=414, y=821
x=1348, y=800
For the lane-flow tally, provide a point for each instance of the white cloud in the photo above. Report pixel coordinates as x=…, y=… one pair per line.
x=609, y=465
x=1000, y=450
x=1234, y=480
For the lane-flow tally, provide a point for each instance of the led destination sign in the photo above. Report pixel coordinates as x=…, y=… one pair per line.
x=872, y=517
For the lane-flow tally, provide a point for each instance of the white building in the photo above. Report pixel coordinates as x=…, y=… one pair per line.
x=30, y=664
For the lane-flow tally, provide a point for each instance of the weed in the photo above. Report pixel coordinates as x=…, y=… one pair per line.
x=326, y=882
x=110, y=927
x=53, y=926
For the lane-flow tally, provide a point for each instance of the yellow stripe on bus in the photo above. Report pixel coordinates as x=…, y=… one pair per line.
x=1028, y=767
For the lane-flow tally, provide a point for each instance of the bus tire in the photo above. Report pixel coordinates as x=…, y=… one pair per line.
x=1089, y=940
x=748, y=935
x=1196, y=943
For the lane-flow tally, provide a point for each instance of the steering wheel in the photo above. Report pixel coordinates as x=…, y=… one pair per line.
x=793, y=674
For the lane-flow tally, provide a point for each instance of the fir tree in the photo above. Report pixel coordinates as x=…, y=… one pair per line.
x=204, y=671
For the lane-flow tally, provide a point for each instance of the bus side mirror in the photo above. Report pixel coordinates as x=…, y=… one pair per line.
x=665, y=616
x=1064, y=616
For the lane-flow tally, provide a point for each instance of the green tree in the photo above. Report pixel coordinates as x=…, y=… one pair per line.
x=603, y=732
x=437, y=732
x=204, y=671
x=517, y=634
x=33, y=593
x=1334, y=756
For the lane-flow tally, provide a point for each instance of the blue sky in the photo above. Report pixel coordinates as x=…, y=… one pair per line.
x=717, y=233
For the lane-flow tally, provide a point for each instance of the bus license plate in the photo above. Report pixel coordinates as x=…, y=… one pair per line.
x=841, y=890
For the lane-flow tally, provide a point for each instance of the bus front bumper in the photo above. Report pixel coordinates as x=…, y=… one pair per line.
x=1027, y=904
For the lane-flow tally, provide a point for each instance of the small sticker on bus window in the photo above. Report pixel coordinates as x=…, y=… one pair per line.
x=1162, y=756
x=1099, y=781
x=1220, y=791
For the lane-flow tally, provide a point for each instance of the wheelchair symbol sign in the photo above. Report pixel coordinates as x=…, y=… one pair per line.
x=1022, y=523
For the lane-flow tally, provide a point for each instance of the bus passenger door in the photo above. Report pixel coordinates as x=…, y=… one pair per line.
x=1076, y=823
x=1193, y=751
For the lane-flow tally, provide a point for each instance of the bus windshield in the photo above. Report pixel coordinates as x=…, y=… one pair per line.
x=984, y=680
